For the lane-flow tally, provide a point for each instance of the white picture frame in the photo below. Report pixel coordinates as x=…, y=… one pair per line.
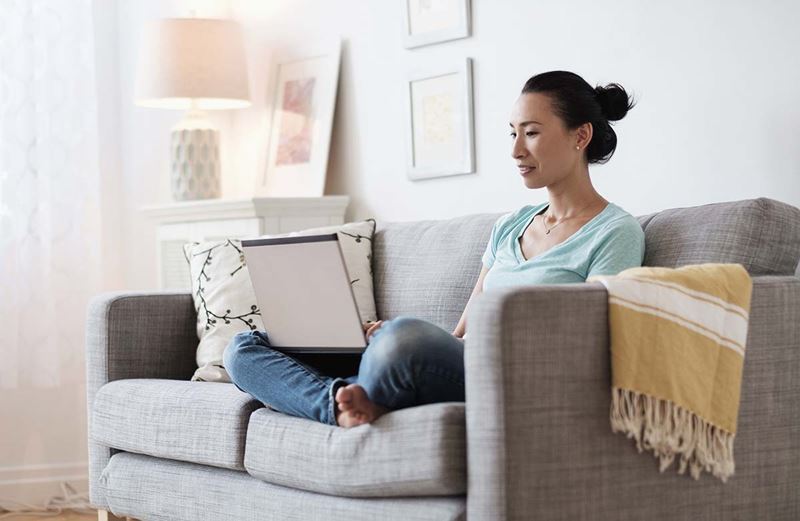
x=303, y=104
x=426, y=22
x=440, y=122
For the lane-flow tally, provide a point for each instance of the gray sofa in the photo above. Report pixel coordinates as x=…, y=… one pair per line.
x=533, y=439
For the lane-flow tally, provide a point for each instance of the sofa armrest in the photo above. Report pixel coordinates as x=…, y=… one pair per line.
x=537, y=401
x=134, y=335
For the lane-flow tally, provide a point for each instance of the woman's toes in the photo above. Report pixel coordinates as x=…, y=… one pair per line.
x=344, y=398
x=357, y=395
x=350, y=419
x=358, y=419
x=344, y=394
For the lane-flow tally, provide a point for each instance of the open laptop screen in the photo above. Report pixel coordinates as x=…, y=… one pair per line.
x=304, y=294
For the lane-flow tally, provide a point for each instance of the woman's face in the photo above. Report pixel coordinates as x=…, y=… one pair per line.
x=542, y=147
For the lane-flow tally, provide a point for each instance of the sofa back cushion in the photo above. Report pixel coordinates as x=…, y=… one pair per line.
x=761, y=234
x=427, y=269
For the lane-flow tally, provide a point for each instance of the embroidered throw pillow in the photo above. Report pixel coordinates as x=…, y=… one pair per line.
x=226, y=303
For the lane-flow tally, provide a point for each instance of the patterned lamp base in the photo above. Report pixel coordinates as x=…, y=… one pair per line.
x=195, y=159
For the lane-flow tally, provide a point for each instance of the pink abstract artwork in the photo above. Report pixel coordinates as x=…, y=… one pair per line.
x=294, y=138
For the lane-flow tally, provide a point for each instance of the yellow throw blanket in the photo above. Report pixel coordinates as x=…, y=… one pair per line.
x=677, y=352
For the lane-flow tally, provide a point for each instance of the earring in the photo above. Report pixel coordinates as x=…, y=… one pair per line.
x=577, y=148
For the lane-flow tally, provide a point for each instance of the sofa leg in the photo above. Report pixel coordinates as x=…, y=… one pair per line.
x=105, y=515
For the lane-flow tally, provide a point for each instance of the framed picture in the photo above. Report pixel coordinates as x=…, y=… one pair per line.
x=440, y=122
x=304, y=96
x=433, y=21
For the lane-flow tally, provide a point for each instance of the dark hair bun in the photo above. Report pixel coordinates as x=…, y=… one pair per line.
x=613, y=101
x=576, y=102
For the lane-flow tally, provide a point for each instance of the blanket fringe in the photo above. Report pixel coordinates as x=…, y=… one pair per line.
x=670, y=430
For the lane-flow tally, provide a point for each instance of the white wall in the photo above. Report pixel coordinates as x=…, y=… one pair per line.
x=715, y=82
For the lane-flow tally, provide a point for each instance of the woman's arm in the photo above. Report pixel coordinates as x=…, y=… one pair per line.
x=620, y=246
x=462, y=324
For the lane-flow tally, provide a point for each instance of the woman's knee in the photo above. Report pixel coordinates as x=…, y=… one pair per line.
x=402, y=340
x=411, y=328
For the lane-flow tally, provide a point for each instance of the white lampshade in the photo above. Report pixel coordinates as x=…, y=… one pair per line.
x=192, y=59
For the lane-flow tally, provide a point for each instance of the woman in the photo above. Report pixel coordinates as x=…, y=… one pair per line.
x=559, y=126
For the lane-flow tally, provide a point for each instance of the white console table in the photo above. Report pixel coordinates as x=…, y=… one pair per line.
x=216, y=219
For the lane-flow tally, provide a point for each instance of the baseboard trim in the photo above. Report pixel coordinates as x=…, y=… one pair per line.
x=35, y=484
x=59, y=479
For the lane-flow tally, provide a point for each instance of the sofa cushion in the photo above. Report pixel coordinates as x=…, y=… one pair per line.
x=761, y=234
x=427, y=269
x=201, y=422
x=419, y=451
x=158, y=489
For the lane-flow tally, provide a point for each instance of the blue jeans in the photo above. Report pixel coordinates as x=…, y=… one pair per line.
x=407, y=362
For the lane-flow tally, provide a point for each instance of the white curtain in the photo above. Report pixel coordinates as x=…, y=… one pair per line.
x=50, y=234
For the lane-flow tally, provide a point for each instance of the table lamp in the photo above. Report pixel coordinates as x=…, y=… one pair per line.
x=194, y=64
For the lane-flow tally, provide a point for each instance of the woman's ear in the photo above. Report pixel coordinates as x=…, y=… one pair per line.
x=583, y=135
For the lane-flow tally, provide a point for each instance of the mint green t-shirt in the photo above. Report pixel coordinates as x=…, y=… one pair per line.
x=610, y=242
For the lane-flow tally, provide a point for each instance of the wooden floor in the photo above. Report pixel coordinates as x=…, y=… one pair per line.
x=68, y=515
x=71, y=516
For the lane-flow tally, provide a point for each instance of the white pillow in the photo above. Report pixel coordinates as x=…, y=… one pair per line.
x=226, y=303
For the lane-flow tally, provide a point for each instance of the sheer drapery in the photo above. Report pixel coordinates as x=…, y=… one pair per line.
x=50, y=231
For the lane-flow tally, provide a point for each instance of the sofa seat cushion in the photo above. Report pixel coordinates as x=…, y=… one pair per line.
x=158, y=489
x=199, y=422
x=419, y=451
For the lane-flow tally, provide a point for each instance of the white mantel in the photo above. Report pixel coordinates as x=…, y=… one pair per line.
x=218, y=209
x=218, y=219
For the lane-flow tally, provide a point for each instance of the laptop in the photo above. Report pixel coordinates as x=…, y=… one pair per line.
x=304, y=294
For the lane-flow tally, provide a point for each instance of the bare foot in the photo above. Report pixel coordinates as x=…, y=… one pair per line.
x=355, y=407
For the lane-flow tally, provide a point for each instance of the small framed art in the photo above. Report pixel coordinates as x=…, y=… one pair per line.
x=440, y=128
x=304, y=96
x=433, y=21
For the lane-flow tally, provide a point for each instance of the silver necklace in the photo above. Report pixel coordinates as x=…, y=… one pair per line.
x=562, y=220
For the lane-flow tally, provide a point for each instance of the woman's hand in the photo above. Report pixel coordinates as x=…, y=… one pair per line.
x=371, y=327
